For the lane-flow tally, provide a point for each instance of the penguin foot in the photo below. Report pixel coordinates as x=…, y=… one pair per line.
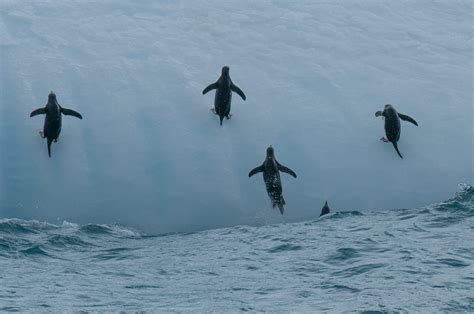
x=384, y=139
x=42, y=134
x=55, y=140
x=213, y=110
x=228, y=116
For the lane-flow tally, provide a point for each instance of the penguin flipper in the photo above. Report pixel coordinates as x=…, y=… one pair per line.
x=237, y=90
x=256, y=170
x=407, y=118
x=37, y=112
x=286, y=169
x=70, y=112
x=210, y=87
x=379, y=113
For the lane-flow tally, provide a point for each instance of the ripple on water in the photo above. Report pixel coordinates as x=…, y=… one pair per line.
x=445, y=221
x=344, y=214
x=417, y=228
x=142, y=286
x=96, y=229
x=357, y=270
x=114, y=254
x=15, y=227
x=453, y=262
x=406, y=217
x=10, y=309
x=465, y=305
x=58, y=240
x=246, y=309
x=284, y=247
x=304, y=294
x=4, y=245
x=343, y=254
x=35, y=250
x=339, y=288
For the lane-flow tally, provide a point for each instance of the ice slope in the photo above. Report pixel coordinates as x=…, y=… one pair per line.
x=150, y=154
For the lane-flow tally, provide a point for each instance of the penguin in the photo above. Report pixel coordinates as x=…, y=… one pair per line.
x=271, y=175
x=53, y=119
x=392, y=125
x=325, y=210
x=224, y=88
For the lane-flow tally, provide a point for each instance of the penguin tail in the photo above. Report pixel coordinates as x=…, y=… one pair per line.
x=280, y=203
x=396, y=148
x=221, y=118
x=281, y=207
x=50, y=140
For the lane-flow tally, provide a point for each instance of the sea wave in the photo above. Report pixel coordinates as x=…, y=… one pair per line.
x=35, y=238
x=31, y=238
x=365, y=258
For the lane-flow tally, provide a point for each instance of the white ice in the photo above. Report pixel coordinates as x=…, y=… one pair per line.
x=150, y=154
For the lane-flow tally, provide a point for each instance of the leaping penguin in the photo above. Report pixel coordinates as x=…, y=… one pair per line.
x=271, y=175
x=224, y=88
x=53, y=119
x=392, y=125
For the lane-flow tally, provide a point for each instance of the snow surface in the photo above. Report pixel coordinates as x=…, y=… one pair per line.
x=150, y=154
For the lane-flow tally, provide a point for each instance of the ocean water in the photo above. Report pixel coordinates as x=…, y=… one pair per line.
x=402, y=260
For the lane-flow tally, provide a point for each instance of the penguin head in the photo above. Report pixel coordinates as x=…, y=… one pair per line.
x=225, y=70
x=52, y=97
x=388, y=107
x=270, y=152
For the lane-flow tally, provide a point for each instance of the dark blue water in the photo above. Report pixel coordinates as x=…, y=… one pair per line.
x=404, y=260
